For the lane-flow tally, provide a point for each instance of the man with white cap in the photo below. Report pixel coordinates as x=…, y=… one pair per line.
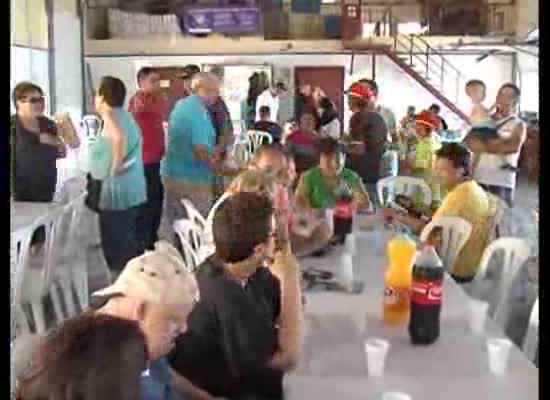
x=117, y=350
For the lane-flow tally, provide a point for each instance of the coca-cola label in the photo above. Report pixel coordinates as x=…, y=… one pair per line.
x=343, y=209
x=427, y=293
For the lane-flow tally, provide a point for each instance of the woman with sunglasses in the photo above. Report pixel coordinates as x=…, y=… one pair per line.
x=35, y=146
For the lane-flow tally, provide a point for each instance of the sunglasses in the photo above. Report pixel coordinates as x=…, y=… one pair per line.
x=33, y=100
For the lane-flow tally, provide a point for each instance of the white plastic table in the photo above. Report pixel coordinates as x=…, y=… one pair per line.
x=455, y=367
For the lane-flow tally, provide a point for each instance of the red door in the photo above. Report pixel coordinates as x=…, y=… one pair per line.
x=330, y=79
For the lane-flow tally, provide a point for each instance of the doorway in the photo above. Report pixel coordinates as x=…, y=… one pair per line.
x=330, y=79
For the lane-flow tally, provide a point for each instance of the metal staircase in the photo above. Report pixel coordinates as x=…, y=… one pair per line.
x=429, y=68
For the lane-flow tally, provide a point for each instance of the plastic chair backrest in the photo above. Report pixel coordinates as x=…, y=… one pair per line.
x=193, y=214
x=515, y=252
x=455, y=233
x=256, y=140
x=19, y=254
x=531, y=341
x=191, y=234
x=406, y=185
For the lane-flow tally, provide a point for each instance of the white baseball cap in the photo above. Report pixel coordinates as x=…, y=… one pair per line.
x=159, y=276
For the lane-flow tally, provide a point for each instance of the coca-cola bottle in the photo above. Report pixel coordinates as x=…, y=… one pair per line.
x=343, y=213
x=426, y=295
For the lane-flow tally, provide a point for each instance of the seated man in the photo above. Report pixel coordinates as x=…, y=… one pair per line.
x=309, y=233
x=246, y=330
x=318, y=188
x=117, y=351
x=265, y=124
x=467, y=200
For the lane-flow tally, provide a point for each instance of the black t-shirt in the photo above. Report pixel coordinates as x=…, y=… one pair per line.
x=232, y=335
x=34, y=163
x=368, y=127
x=270, y=127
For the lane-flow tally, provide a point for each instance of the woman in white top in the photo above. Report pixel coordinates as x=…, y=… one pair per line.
x=330, y=124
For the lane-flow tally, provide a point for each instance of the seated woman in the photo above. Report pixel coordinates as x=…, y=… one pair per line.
x=467, y=200
x=117, y=350
x=317, y=188
x=302, y=144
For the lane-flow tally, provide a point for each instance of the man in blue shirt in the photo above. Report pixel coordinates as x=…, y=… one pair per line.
x=187, y=167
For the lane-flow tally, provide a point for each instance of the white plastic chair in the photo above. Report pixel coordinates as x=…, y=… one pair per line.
x=192, y=238
x=19, y=254
x=37, y=277
x=256, y=140
x=406, y=185
x=455, y=233
x=515, y=253
x=70, y=271
x=193, y=214
x=531, y=340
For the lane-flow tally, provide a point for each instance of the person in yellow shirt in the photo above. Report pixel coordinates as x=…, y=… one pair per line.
x=465, y=199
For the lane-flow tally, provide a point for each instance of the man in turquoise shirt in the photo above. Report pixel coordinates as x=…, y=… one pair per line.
x=187, y=167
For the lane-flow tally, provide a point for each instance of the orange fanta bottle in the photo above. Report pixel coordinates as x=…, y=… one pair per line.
x=398, y=279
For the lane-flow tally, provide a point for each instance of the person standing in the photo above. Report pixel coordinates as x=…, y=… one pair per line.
x=435, y=109
x=368, y=136
x=35, y=146
x=188, y=165
x=386, y=113
x=270, y=98
x=116, y=160
x=330, y=124
x=149, y=111
x=489, y=171
x=304, y=101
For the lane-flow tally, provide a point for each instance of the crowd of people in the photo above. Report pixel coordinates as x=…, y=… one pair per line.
x=232, y=329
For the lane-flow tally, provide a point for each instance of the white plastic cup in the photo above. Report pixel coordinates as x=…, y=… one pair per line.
x=351, y=243
x=346, y=271
x=477, y=315
x=498, y=351
x=396, y=396
x=376, y=351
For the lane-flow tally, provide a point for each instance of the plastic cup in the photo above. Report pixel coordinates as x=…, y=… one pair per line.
x=396, y=396
x=498, y=351
x=376, y=351
x=346, y=271
x=351, y=243
x=477, y=315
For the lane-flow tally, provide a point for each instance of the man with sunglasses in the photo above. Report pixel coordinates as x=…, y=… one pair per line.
x=35, y=146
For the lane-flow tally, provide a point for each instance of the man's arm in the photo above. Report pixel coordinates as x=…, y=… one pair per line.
x=302, y=194
x=285, y=268
x=509, y=145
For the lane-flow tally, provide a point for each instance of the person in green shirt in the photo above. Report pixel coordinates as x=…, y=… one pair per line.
x=318, y=188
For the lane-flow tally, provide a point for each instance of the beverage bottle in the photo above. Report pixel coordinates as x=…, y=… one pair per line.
x=401, y=251
x=426, y=295
x=343, y=213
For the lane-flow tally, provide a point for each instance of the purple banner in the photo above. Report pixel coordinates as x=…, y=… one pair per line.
x=232, y=20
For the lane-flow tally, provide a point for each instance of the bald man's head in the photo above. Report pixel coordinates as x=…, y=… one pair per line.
x=269, y=157
x=205, y=85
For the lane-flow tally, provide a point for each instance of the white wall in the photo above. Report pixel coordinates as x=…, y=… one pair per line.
x=397, y=89
x=528, y=67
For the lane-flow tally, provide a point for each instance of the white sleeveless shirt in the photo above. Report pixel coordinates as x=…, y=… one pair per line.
x=489, y=171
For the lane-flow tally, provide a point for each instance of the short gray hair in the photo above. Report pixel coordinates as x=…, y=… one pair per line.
x=201, y=79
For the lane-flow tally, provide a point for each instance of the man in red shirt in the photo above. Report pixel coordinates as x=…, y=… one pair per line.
x=150, y=112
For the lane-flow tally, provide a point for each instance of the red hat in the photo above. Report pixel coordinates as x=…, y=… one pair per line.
x=428, y=119
x=360, y=91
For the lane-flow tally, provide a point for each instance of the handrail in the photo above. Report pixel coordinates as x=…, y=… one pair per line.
x=435, y=51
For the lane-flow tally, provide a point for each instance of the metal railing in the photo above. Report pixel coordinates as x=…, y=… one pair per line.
x=434, y=65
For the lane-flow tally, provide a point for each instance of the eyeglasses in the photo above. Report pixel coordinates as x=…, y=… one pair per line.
x=33, y=100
